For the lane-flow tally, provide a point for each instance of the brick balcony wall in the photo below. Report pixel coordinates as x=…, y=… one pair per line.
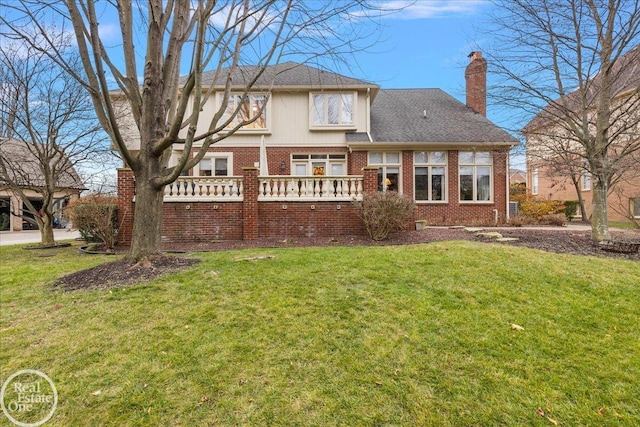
x=252, y=219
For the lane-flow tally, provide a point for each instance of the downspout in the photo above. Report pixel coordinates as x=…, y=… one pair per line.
x=508, y=179
x=368, y=121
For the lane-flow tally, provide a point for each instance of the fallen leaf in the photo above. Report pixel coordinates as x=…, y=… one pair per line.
x=554, y=422
x=540, y=412
x=601, y=411
x=95, y=393
x=378, y=383
x=516, y=327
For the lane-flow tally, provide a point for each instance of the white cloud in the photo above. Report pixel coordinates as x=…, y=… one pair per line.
x=426, y=9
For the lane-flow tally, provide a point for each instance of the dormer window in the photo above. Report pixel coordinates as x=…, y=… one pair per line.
x=332, y=110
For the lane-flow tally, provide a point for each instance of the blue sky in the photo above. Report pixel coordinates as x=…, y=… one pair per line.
x=427, y=46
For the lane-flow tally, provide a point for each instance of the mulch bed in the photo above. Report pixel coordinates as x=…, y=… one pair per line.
x=121, y=273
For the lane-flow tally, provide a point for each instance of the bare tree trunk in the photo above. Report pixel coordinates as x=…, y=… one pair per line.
x=147, y=220
x=599, y=220
x=46, y=230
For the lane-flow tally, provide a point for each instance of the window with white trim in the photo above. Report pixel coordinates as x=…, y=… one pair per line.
x=215, y=164
x=534, y=181
x=635, y=207
x=331, y=109
x=249, y=108
x=430, y=175
x=334, y=164
x=586, y=180
x=388, y=170
x=475, y=172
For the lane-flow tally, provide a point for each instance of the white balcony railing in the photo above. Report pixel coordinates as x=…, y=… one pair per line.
x=204, y=189
x=310, y=188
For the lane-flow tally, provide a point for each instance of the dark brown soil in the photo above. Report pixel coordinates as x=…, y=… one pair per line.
x=122, y=273
x=558, y=240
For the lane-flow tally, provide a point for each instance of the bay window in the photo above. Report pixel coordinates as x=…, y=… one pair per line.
x=430, y=169
x=475, y=172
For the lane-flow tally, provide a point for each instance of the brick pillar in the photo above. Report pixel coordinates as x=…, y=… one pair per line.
x=370, y=179
x=126, y=193
x=250, y=220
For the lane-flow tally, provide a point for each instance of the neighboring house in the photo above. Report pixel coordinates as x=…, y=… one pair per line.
x=25, y=172
x=324, y=140
x=545, y=138
x=517, y=176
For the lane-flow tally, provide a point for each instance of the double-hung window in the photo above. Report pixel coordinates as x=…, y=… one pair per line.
x=388, y=170
x=319, y=164
x=534, y=181
x=475, y=172
x=250, y=108
x=430, y=175
x=586, y=180
x=332, y=109
x=214, y=165
x=635, y=207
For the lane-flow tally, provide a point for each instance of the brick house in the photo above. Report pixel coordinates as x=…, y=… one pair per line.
x=545, y=137
x=323, y=140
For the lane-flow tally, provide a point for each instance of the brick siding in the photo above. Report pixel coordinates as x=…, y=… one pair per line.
x=251, y=219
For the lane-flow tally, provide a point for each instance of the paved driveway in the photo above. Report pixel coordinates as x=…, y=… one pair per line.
x=33, y=236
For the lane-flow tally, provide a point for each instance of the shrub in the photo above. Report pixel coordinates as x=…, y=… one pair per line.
x=95, y=217
x=4, y=222
x=385, y=212
x=517, y=189
x=559, y=220
x=534, y=208
x=570, y=209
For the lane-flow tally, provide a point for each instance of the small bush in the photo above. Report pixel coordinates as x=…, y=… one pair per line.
x=95, y=217
x=385, y=212
x=559, y=220
x=570, y=209
x=535, y=208
x=517, y=189
x=4, y=222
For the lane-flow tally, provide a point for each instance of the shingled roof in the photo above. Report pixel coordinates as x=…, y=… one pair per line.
x=27, y=172
x=626, y=81
x=288, y=74
x=429, y=116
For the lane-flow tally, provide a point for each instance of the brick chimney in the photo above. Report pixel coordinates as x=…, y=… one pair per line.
x=476, y=79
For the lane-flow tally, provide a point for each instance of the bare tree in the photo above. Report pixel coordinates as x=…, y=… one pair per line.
x=155, y=42
x=570, y=64
x=49, y=128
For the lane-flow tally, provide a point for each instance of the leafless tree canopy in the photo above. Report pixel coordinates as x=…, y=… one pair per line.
x=158, y=60
x=570, y=69
x=49, y=128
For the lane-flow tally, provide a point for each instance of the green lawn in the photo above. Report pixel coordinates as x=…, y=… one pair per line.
x=360, y=336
